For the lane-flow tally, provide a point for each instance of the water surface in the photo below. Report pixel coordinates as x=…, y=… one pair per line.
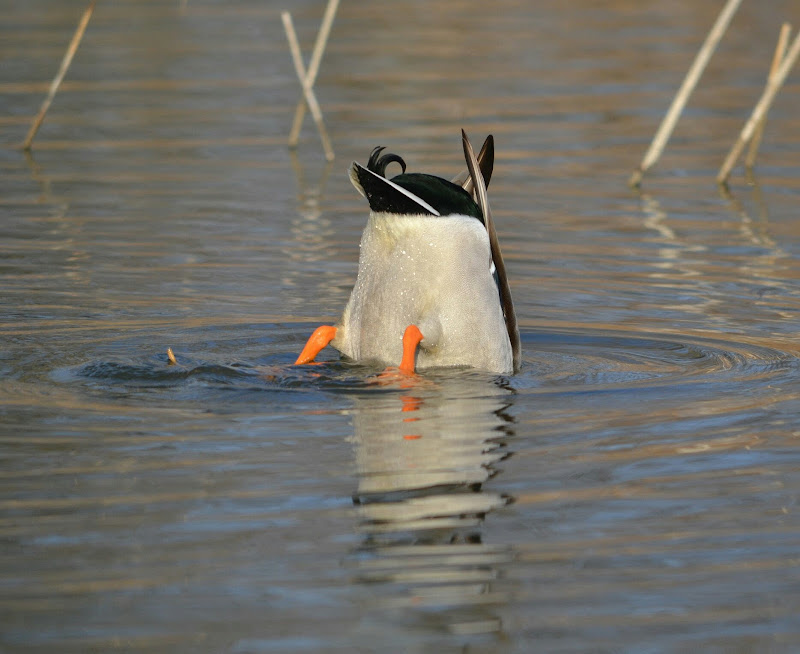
x=633, y=489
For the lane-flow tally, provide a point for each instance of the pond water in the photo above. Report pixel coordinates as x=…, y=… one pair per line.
x=632, y=489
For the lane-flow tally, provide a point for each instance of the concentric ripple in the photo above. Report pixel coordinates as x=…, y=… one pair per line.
x=605, y=360
x=553, y=361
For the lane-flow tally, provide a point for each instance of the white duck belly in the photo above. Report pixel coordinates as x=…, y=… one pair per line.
x=433, y=272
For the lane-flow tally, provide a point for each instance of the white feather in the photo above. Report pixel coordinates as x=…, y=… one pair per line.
x=433, y=272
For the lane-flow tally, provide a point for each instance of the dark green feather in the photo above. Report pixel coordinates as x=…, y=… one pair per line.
x=444, y=196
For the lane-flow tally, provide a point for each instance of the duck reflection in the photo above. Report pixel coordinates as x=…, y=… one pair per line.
x=424, y=454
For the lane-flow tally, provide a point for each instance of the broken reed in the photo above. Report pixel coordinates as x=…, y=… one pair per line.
x=759, y=115
x=72, y=48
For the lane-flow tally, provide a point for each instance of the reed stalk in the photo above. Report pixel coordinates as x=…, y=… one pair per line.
x=308, y=91
x=690, y=81
x=777, y=58
x=774, y=85
x=313, y=68
x=62, y=71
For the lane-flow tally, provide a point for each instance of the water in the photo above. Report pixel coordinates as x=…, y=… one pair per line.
x=633, y=489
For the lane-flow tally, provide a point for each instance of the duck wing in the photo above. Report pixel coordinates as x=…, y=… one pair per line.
x=485, y=163
x=479, y=189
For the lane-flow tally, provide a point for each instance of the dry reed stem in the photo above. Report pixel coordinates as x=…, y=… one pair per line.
x=308, y=92
x=62, y=71
x=777, y=58
x=171, y=360
x=761, y=109
x=313, y=68
x=682, y=96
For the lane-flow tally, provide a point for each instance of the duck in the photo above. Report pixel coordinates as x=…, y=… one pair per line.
x=431, y=289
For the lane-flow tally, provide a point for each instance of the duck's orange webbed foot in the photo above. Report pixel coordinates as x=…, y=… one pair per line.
x=411, y=340
x=319, y=339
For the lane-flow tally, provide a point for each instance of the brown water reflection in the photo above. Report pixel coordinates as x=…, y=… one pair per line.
x=633, y=489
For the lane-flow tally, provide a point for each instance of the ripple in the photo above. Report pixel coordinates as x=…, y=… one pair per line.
x=553, y=361
x=609, y=360
x=152, y=373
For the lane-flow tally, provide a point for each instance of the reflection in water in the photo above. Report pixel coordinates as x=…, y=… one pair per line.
x=40, y=178
x=677, y=259
x=672, y=257
x=312, y=233
x=66, y=239
x=423, y=456
x=755, y=231
x=765, y=264
x=744, y=258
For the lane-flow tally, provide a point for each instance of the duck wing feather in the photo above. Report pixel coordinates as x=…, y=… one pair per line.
x=479, y=187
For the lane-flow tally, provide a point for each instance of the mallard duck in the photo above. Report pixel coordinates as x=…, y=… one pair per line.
x=431, y=289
